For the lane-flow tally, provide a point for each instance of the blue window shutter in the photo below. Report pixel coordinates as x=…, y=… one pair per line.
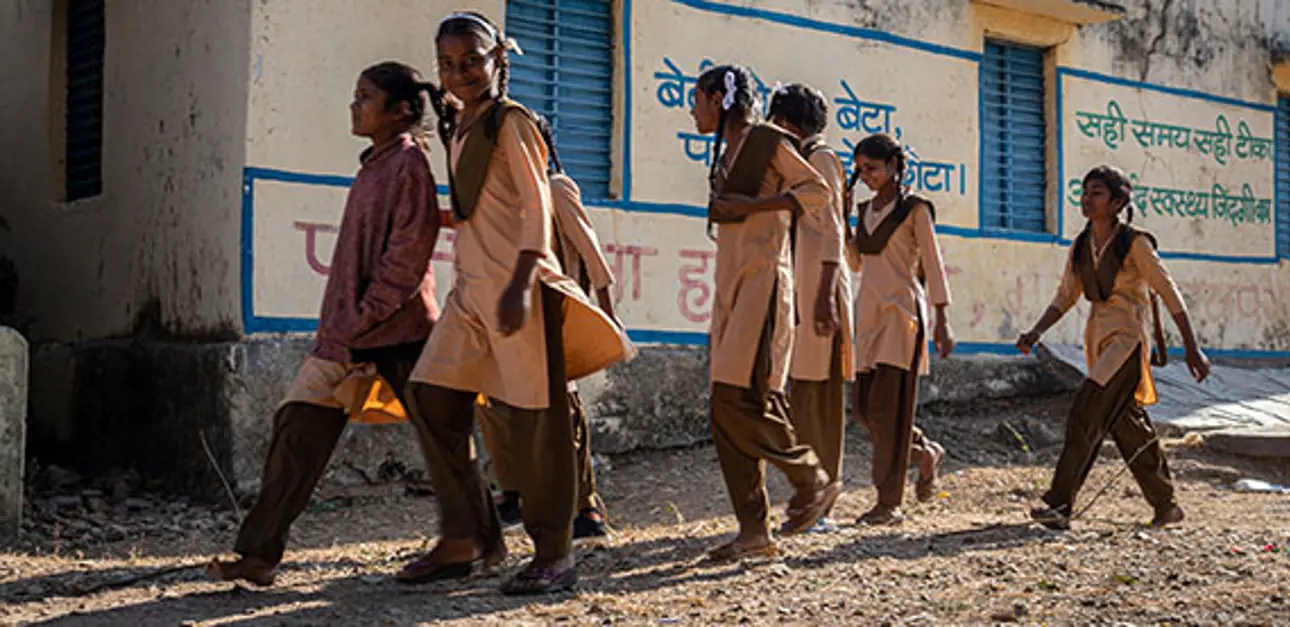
x=84, y=122
x=1013, y=138
x=1283, y=175
x=566, y=74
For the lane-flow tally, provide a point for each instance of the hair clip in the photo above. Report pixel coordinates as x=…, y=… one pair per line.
x=728, y=100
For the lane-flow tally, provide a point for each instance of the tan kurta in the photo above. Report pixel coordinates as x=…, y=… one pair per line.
x=513, y=214
x=754, y=263
x=1119, y=325
x=579, y=245
x=890, y=300
x=811, y=351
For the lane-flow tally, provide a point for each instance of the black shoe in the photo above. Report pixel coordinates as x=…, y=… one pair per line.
x=509, y=510
x=590, y=523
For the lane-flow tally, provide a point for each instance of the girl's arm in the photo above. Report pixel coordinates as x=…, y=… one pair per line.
x=813, y=197
x=414, y=230
x=1068, y=292
x=938, y=284
x=1144, y=256
x=526, y=158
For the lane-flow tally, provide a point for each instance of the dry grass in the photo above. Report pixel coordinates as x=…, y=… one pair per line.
x=968, y=558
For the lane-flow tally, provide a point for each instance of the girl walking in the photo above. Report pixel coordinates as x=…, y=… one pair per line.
x=1115, y=266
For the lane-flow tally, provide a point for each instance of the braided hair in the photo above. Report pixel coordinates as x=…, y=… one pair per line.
x=478, y=25
x=544, y=129
x=1118, y=183
x=402, y=83
x=882, y=147
x=743, y=103
x=802, y=106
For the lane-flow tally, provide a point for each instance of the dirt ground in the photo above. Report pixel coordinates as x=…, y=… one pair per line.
x=967, y=558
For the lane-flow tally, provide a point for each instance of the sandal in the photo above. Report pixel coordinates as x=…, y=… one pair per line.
x=539, y=580
x=250, y=569
x=882, y=516
x=1170, y=515
x=735, y=550
x=1055, y=518
x=426, y=569
x=802, y=515
x=925, y=488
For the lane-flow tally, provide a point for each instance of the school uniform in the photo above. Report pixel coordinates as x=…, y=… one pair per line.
x=1116, y=278
x=377, y=310
x=580, y=255
x=892, y=322
x=502, y=205
x=754, y=319
x=820, y=363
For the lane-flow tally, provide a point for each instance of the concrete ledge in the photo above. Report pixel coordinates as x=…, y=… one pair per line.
x=13, y=426
x=1273, y=441
x=146, y=405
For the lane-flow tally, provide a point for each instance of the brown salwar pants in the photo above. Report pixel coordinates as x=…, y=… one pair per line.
x=819, y=413
x=304, y=437
x=538, y=443
x=885, y=401
x=1099, y=410
x=494, y=423
x=752, y=426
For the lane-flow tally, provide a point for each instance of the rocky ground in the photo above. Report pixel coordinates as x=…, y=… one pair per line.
x=108, y=550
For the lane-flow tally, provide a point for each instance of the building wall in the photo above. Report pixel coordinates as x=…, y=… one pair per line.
x=157, y=248
x=907, y=67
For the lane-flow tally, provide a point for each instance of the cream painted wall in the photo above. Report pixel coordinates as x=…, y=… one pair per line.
x=161, y=240
x=912, y=67
x=271, y=93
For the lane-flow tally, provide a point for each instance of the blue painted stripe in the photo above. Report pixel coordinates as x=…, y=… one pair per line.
x=308, y=178
x=672, y=338
x=829, y=27
x=682, y=209
x=1164, y=89
x=248, y=252
x=627, y=100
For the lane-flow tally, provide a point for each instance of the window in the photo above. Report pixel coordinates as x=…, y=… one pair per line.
x=1014, y=176
x=566, y=74
x=83, y=131
x=1283, y=175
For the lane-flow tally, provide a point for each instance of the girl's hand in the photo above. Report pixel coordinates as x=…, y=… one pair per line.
x=513, y=309
x=1027, y=341
x=826, y=313
x=728, y=208
x=1197, y=363
x=943, y=337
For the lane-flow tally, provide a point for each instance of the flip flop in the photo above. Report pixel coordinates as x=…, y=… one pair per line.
x=537, y=580
x=425, y=569
x=925, y=488
x=881, y=516
x=250, y=569
x=802, y=517
x=732, y=551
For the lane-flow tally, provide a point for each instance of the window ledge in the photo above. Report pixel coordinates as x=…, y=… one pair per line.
x=1078, y=12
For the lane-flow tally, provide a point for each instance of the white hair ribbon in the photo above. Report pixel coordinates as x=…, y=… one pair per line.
x=728, y=100
x=508, y=43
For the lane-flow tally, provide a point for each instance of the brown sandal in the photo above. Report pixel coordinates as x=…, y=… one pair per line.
x=540, y=580
x=925, y=488
x=733, y=550
x=429, y=567
x=806, y=508
x=250, y=569
x=882, y=516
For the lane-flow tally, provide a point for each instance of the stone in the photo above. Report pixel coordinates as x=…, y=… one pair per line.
x=1270, y=441
x=13, y=429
